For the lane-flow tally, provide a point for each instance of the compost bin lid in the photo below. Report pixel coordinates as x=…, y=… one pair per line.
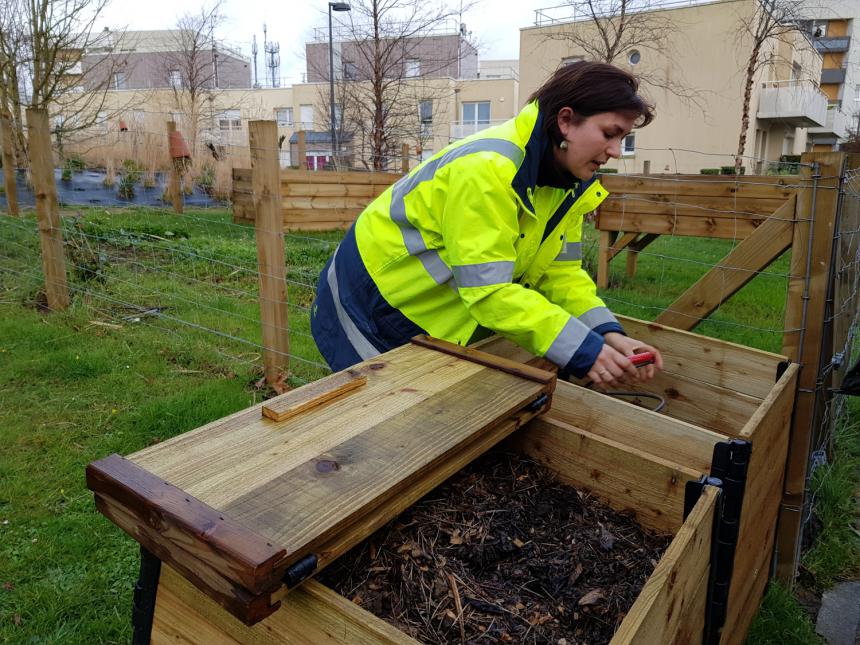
x=265, y=497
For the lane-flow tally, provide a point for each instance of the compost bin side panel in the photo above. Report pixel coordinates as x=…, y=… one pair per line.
x=626, y=478
x=670, y=605
x=768, y=430
x=312, y=615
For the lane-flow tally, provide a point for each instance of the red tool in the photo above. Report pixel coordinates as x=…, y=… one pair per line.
x=643, y=359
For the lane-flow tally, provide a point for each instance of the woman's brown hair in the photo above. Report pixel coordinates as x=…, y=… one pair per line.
x=589, y=88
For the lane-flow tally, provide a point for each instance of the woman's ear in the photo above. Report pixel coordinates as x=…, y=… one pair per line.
x=565, y=120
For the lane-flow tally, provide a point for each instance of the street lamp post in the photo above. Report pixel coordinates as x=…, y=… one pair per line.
x=336, y=6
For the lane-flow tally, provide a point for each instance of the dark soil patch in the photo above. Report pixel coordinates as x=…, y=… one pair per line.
x=502, y=552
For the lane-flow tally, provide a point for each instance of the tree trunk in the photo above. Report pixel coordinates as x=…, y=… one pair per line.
x=745, y=114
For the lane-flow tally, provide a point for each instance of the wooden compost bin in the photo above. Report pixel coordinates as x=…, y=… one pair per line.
x=633, y=458
x=314, y=200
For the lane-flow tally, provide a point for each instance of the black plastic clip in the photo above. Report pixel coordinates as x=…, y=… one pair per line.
x=300, y=571
x=538, y=403
x=143, y=603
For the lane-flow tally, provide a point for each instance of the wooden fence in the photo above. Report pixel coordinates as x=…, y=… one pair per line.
x=639, y=209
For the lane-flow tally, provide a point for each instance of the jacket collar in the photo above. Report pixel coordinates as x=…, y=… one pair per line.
x=529, y=123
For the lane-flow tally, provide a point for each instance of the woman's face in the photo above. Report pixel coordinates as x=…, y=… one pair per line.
x=592, y=141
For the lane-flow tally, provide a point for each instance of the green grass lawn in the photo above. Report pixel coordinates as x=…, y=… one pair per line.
x=162, y=337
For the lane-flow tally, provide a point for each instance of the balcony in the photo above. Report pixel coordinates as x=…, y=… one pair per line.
x=833, y=44
x=795, y=103
x=462, y=129
x=834, y=75
x=837, y=124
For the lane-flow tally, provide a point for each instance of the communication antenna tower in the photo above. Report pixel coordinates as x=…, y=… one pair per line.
x=272, y=53
x=254, y=54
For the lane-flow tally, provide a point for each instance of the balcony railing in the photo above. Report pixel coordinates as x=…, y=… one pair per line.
x=462, y=129
x=834, y=75
x=797, y=103
x=832, y=44
x=837, y=123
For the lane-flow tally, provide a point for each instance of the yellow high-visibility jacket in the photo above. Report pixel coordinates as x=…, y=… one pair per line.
x=468, y=240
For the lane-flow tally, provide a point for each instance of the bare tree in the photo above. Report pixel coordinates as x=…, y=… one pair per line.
x=389, y=60
x=191, y=67
x=608, y=30
x=770, y=21
x=43, y=49
x=12, y=53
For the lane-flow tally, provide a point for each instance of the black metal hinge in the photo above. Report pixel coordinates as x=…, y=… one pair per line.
x=729, y=467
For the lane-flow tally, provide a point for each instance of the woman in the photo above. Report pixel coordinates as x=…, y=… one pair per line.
x=485, y=237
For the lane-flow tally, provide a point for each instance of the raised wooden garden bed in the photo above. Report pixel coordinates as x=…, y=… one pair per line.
x=242, y=510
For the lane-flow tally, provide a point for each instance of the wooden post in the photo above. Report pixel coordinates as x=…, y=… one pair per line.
x=404, y=158
x=302, y=151
x=269, y=227
x=8, y=162
x=810, y=273
x=47, y=209
x=607, y=238
x=174, y=189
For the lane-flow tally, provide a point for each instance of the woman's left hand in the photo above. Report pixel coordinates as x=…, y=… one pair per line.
x=630, y=346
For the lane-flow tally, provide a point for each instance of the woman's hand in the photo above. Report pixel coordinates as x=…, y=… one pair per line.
x=628, y=347
x=612, y=368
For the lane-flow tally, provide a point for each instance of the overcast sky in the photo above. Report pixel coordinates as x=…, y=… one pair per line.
x=494, y=23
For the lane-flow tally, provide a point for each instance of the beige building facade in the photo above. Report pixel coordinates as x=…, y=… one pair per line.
x=458, y=108
x=706, y=53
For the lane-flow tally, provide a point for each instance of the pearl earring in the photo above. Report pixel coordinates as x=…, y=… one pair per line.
x=563, y=144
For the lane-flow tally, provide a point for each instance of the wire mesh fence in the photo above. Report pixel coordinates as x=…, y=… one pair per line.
x=193, y=277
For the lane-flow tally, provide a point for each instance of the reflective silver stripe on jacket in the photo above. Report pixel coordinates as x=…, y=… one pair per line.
x=570, y=252
x=572, y=335
x=484, y=274
x=596, y=317
x=412, y=239
x=360, y=344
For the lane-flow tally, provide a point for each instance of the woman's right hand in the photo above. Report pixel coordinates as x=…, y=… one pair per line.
x=612, y=368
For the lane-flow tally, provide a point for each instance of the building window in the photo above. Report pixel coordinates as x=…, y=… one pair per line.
x=230, y=120
x=628, y=145
x=795, y=71
x=284, y=116
x=634, y=57
x=174, y=78
x=412, y=68
x=857, y=92
x=476, y=113
x=425, y=116
x=350, y=71
x=119, y=81
x=306, y=117
x=570, y=60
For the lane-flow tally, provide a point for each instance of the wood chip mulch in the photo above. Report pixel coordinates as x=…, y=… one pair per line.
x=502, y=552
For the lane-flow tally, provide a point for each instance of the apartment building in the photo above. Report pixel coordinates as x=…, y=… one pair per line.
x=158, y=59
x=835, y=33
x=443, y=51
x=705, y=53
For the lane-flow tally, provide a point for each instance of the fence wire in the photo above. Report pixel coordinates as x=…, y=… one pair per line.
x=134, y=262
